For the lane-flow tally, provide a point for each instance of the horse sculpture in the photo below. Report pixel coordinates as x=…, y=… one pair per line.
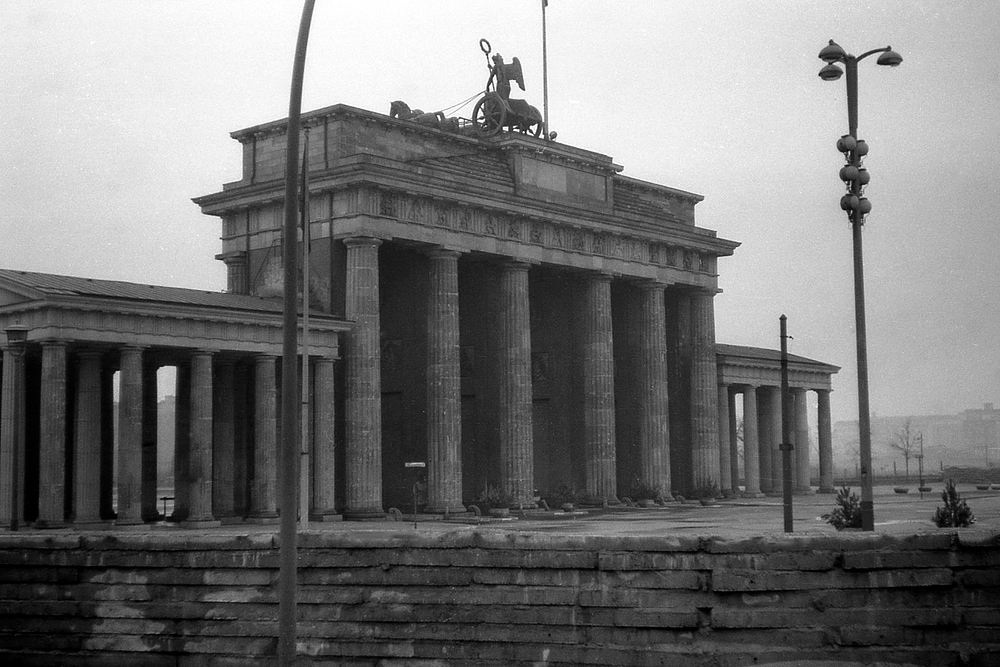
x=401, y=110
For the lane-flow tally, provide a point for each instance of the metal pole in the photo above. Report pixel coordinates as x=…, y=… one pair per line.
x=786, y=430
x=289, y=460
x=545, y=73
x=864, y=423
x=306, y=242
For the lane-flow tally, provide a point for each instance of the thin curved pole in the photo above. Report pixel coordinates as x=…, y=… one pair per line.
x=289, y=468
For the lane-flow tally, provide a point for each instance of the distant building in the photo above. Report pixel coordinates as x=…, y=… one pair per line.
x=969, y=438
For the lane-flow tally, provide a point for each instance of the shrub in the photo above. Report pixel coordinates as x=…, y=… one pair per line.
x=641, y=490
x=562, y=495
x=847, y=514
x=705, y=492
x=956, y=512
x=493, y=497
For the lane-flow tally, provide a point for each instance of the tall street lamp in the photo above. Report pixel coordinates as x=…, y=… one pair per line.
x=857, y=207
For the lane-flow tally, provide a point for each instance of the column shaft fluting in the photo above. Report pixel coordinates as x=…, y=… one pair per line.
x=324, y=473
x=728, y=483
x=12, y=403
x=766, y=444
x=264, y=487
x=751, y=453
x=149, y=433
x=363, y=450
x=52, y=445
x=654, y=408
x=130, y=387
x=182, y=441
x=825, y=442
x=801, y=470
x=444, y=414
x=599, y=390
x=514, y=380
x=704, y=394
x=224, y=441
x=200, y=468
x=777, y=456
x=87, y=440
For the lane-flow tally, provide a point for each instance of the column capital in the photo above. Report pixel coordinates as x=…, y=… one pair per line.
x=362, y=241
x=650, y=285
x=444, y=252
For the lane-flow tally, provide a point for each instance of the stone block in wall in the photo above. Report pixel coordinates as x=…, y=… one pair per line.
x=758, y=580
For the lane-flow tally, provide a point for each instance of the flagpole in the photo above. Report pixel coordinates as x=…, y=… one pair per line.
x=545, y=74
x=306, y=247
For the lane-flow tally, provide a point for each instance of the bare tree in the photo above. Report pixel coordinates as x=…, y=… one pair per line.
x=905, y=441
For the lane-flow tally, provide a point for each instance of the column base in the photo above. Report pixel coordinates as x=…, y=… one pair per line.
x=325, y=516
x=807, y=491
x=364, y=515
x=264, y=519
x=751, y=494
x=92, y=524
x=827, y=489
x=455, y=509
x=231, y=519
x=47, y=524
x=120, y=522
x=201, y=523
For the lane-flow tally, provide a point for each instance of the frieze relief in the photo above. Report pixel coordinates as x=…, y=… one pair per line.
x=466, y=218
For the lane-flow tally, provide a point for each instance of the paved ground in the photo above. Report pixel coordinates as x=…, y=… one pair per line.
x=897, y=514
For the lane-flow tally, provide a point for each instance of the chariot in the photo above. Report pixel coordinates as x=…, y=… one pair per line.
x=495, y=111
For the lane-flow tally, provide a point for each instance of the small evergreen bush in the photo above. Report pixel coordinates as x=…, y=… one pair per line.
x=847, y=514
x=956, y=513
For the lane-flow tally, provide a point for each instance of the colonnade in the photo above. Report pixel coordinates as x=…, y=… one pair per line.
x=508, y=384
x=762, y=434
x=225, y=465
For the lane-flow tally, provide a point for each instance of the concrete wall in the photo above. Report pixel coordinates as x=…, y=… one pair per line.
x=462, y=596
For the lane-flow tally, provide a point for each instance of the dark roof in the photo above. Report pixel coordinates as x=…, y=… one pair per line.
x=55, y=285
x=769, y=355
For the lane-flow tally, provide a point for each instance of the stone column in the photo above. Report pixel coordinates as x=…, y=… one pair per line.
x=767, y=441
x=200, y=468
x=236, y=272
x=242, y=434
x=733, y=428
x=777, y=460
x=704, y=393
x=444, y=413
x=324, y=473
x=728, y=482
x=599, y=390
x=149, y=432
x=130, y=437
x=751, y=451
x=87, y=441
x=801, y=470
x=12, y=422
x=514, y=380
x=264, y=486
x=654, y=409
x=107, y=442
x=182, y=441
x=363, y=450
x=52, y=441
x=825, y=442
x=224, y=441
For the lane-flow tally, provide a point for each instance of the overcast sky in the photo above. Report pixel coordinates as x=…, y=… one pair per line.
x=115, y=114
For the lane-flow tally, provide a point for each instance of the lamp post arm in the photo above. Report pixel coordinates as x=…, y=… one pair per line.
x=872, y=52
